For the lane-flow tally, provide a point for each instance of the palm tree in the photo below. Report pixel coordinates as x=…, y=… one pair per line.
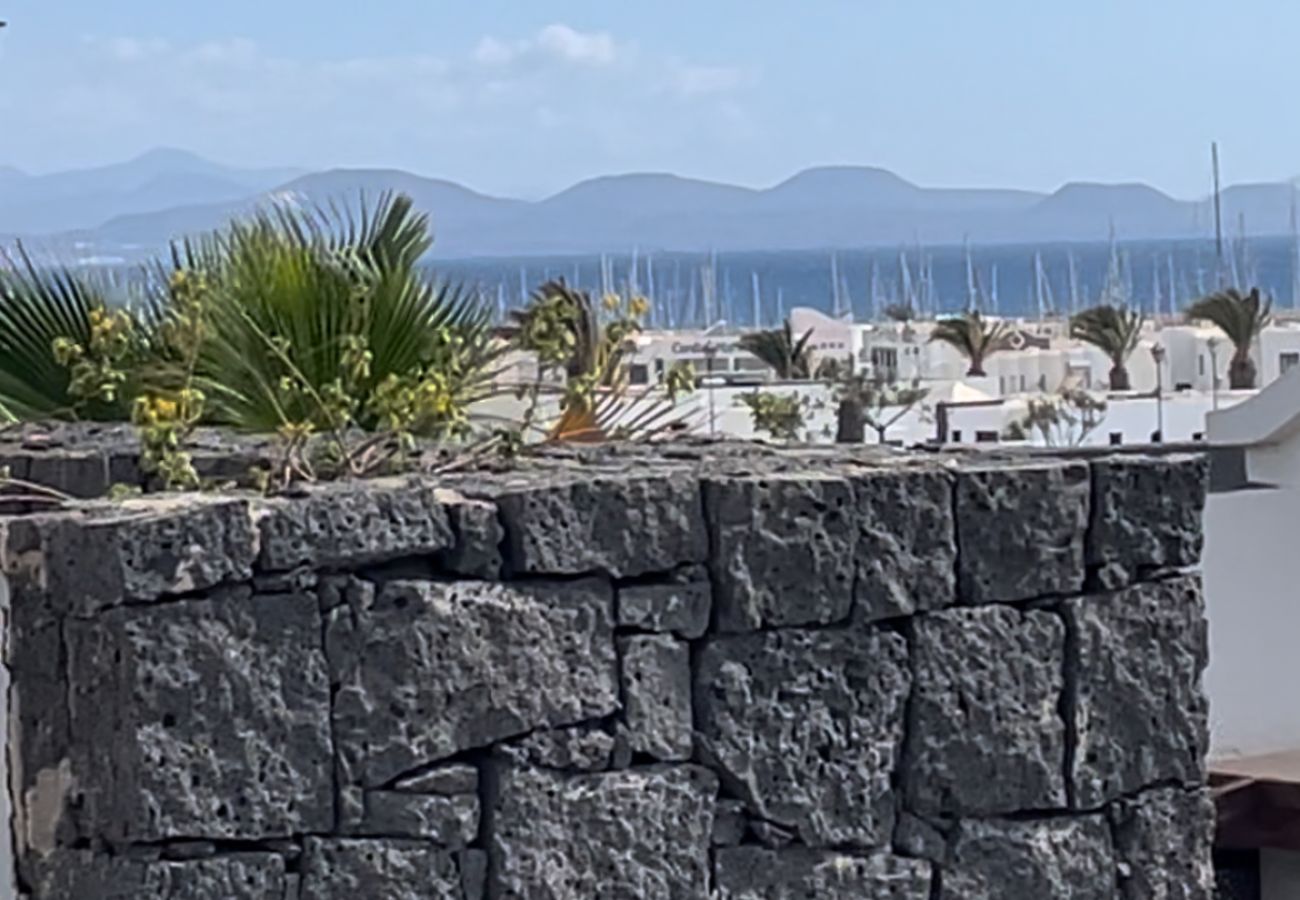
x=1114, y=331
x=788, y=357
x=288, y=292
x=1241, y=317
x=972, y=336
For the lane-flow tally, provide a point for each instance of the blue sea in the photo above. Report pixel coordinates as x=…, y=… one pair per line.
x=747, y=289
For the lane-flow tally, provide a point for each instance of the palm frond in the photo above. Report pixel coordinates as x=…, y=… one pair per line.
x=311, y=279
x=38, y=305
x=1239, y=316
x=971, y=335
x=788, y=356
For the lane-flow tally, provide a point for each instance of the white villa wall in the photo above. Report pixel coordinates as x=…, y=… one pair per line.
x=1253, y=605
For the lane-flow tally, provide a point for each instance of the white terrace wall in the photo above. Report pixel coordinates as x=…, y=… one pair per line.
x=664, y=675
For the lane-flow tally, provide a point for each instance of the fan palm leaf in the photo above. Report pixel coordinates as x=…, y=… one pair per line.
x=788, y=356
x=973, y=336
x=1241, y=317
x=311, y=281
x=1115, y=332
x=39, y=305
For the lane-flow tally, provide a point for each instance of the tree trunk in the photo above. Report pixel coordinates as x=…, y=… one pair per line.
x=1241, y=372
x=850, y=422
x=1119, y=380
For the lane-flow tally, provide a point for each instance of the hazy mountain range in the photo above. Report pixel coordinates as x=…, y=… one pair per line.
x=134, y=208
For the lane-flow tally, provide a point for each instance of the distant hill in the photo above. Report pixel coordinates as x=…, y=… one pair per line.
x=156, y=181
x=135, y=207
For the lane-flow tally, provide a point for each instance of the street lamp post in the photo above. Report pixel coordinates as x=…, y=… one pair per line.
x=1213, y=344
x=1158, y=355
x=710, y=352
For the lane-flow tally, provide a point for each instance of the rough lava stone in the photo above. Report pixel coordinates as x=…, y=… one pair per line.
x=1140, y=714
x=807, y=728
x=201, y=719
x=985, y=732
x=427, y=670
x=638, y=833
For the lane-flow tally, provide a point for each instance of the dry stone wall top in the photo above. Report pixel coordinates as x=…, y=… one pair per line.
x=671, y=672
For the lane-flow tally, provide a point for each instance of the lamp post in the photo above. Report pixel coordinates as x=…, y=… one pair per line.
x=1158, y=355
x=1213, y=344
x=710, y=353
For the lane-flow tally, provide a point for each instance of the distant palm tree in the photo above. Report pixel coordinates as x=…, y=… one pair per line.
x=778, y=347
x=1241, y=317
x=973, y=337
x=1114, y=331
x=900, y=312
x=577, y=313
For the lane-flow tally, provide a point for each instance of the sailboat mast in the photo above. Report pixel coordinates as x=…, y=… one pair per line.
x=971, y=298
x=1038, y=286
x=875, y=291
x=650, y=290
x=1173, y=290
x=1074, y=282
x=835, y=287
x=758, y=305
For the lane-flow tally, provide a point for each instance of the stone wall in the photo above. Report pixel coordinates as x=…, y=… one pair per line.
x=670, y=674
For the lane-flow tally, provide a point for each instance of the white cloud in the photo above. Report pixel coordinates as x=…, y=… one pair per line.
x=554, y=43
x=596, y=49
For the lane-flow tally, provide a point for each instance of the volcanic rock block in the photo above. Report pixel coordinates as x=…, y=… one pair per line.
x=656, y=683
x=806, y=727
x=783, y=548
x=1146, y=514
x=682, y=609
x=1021, y=530
x=1139, y=711
x=81, y=875
x=1163, y=841
x=620, y=524
x=138, y=550
x=1056, y=858
x=796, y=873
x=353, y=523
x=907, y=543
x=477, y=550
x=429, y=669
x=81, y=473
x=380, y=870
x=583, y=748
x=637, y=833
x=448, y=821
x=985, y=733
x=201, y=719
x=38, y=708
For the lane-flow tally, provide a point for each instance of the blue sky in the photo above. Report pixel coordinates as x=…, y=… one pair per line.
x=526, y=97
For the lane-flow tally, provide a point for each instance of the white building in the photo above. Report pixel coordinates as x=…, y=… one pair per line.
x=1038, y=359
x=708, y=352
x=1253, y=605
